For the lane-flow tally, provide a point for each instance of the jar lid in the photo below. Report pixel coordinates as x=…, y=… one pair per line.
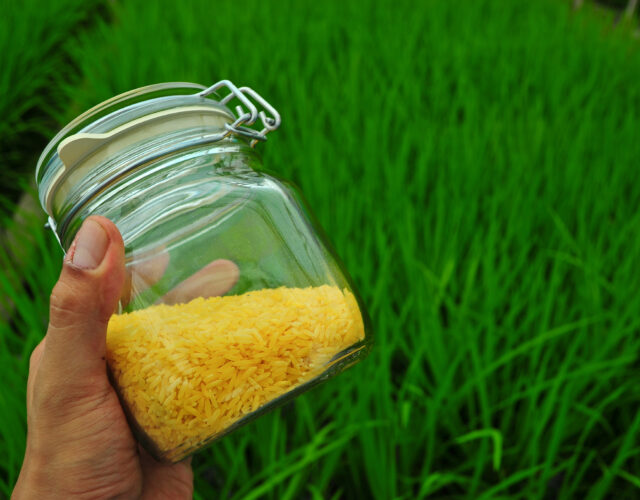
x=143, y=113
x=97, y=115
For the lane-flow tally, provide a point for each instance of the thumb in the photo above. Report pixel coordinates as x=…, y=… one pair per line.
x=82, y=301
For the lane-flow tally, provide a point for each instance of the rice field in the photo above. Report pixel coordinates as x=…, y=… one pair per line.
x=32, y=66
x=474, y=163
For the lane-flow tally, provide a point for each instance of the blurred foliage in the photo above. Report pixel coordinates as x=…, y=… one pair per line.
x=32, y=34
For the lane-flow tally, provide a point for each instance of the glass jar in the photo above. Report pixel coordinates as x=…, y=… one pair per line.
x=234, y=302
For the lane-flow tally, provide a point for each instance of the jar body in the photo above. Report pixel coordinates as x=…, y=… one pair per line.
x=233, y=304
x=233, y=301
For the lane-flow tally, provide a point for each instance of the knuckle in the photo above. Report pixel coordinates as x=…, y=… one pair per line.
x=77, y=298
x=36, y=354
x=65, y=305
x=63, y=296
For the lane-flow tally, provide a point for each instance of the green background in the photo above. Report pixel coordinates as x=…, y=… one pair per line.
x=475, y=164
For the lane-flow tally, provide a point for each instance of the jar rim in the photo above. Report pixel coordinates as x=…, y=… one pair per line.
x=108, y=108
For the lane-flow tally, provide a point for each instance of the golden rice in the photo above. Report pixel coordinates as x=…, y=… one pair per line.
x=189, y=371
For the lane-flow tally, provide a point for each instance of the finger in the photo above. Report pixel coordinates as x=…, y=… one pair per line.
x=215, y=279
x=148, y=272
x=34, y=365
x=82, y=301
x=144, y=274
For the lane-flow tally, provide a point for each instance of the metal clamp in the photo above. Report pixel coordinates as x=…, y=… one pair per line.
x=246, y=117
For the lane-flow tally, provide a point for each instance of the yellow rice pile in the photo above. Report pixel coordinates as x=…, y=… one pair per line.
x=189, y=371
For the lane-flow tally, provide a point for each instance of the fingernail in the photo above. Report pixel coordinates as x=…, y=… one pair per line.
x=90, y=245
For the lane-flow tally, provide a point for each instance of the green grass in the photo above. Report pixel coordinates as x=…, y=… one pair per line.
x=474, y=164
x=32, y=64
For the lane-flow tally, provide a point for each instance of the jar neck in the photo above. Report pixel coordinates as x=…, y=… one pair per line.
x=147, y=189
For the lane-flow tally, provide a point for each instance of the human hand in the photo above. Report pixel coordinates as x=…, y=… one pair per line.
x=79, y=444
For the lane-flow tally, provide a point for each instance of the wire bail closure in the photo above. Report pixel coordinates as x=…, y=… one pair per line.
x=246, y=118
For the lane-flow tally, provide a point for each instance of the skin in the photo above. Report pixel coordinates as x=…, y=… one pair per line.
x=79, y=444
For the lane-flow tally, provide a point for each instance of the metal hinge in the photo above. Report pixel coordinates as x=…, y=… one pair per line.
x=246, y=117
